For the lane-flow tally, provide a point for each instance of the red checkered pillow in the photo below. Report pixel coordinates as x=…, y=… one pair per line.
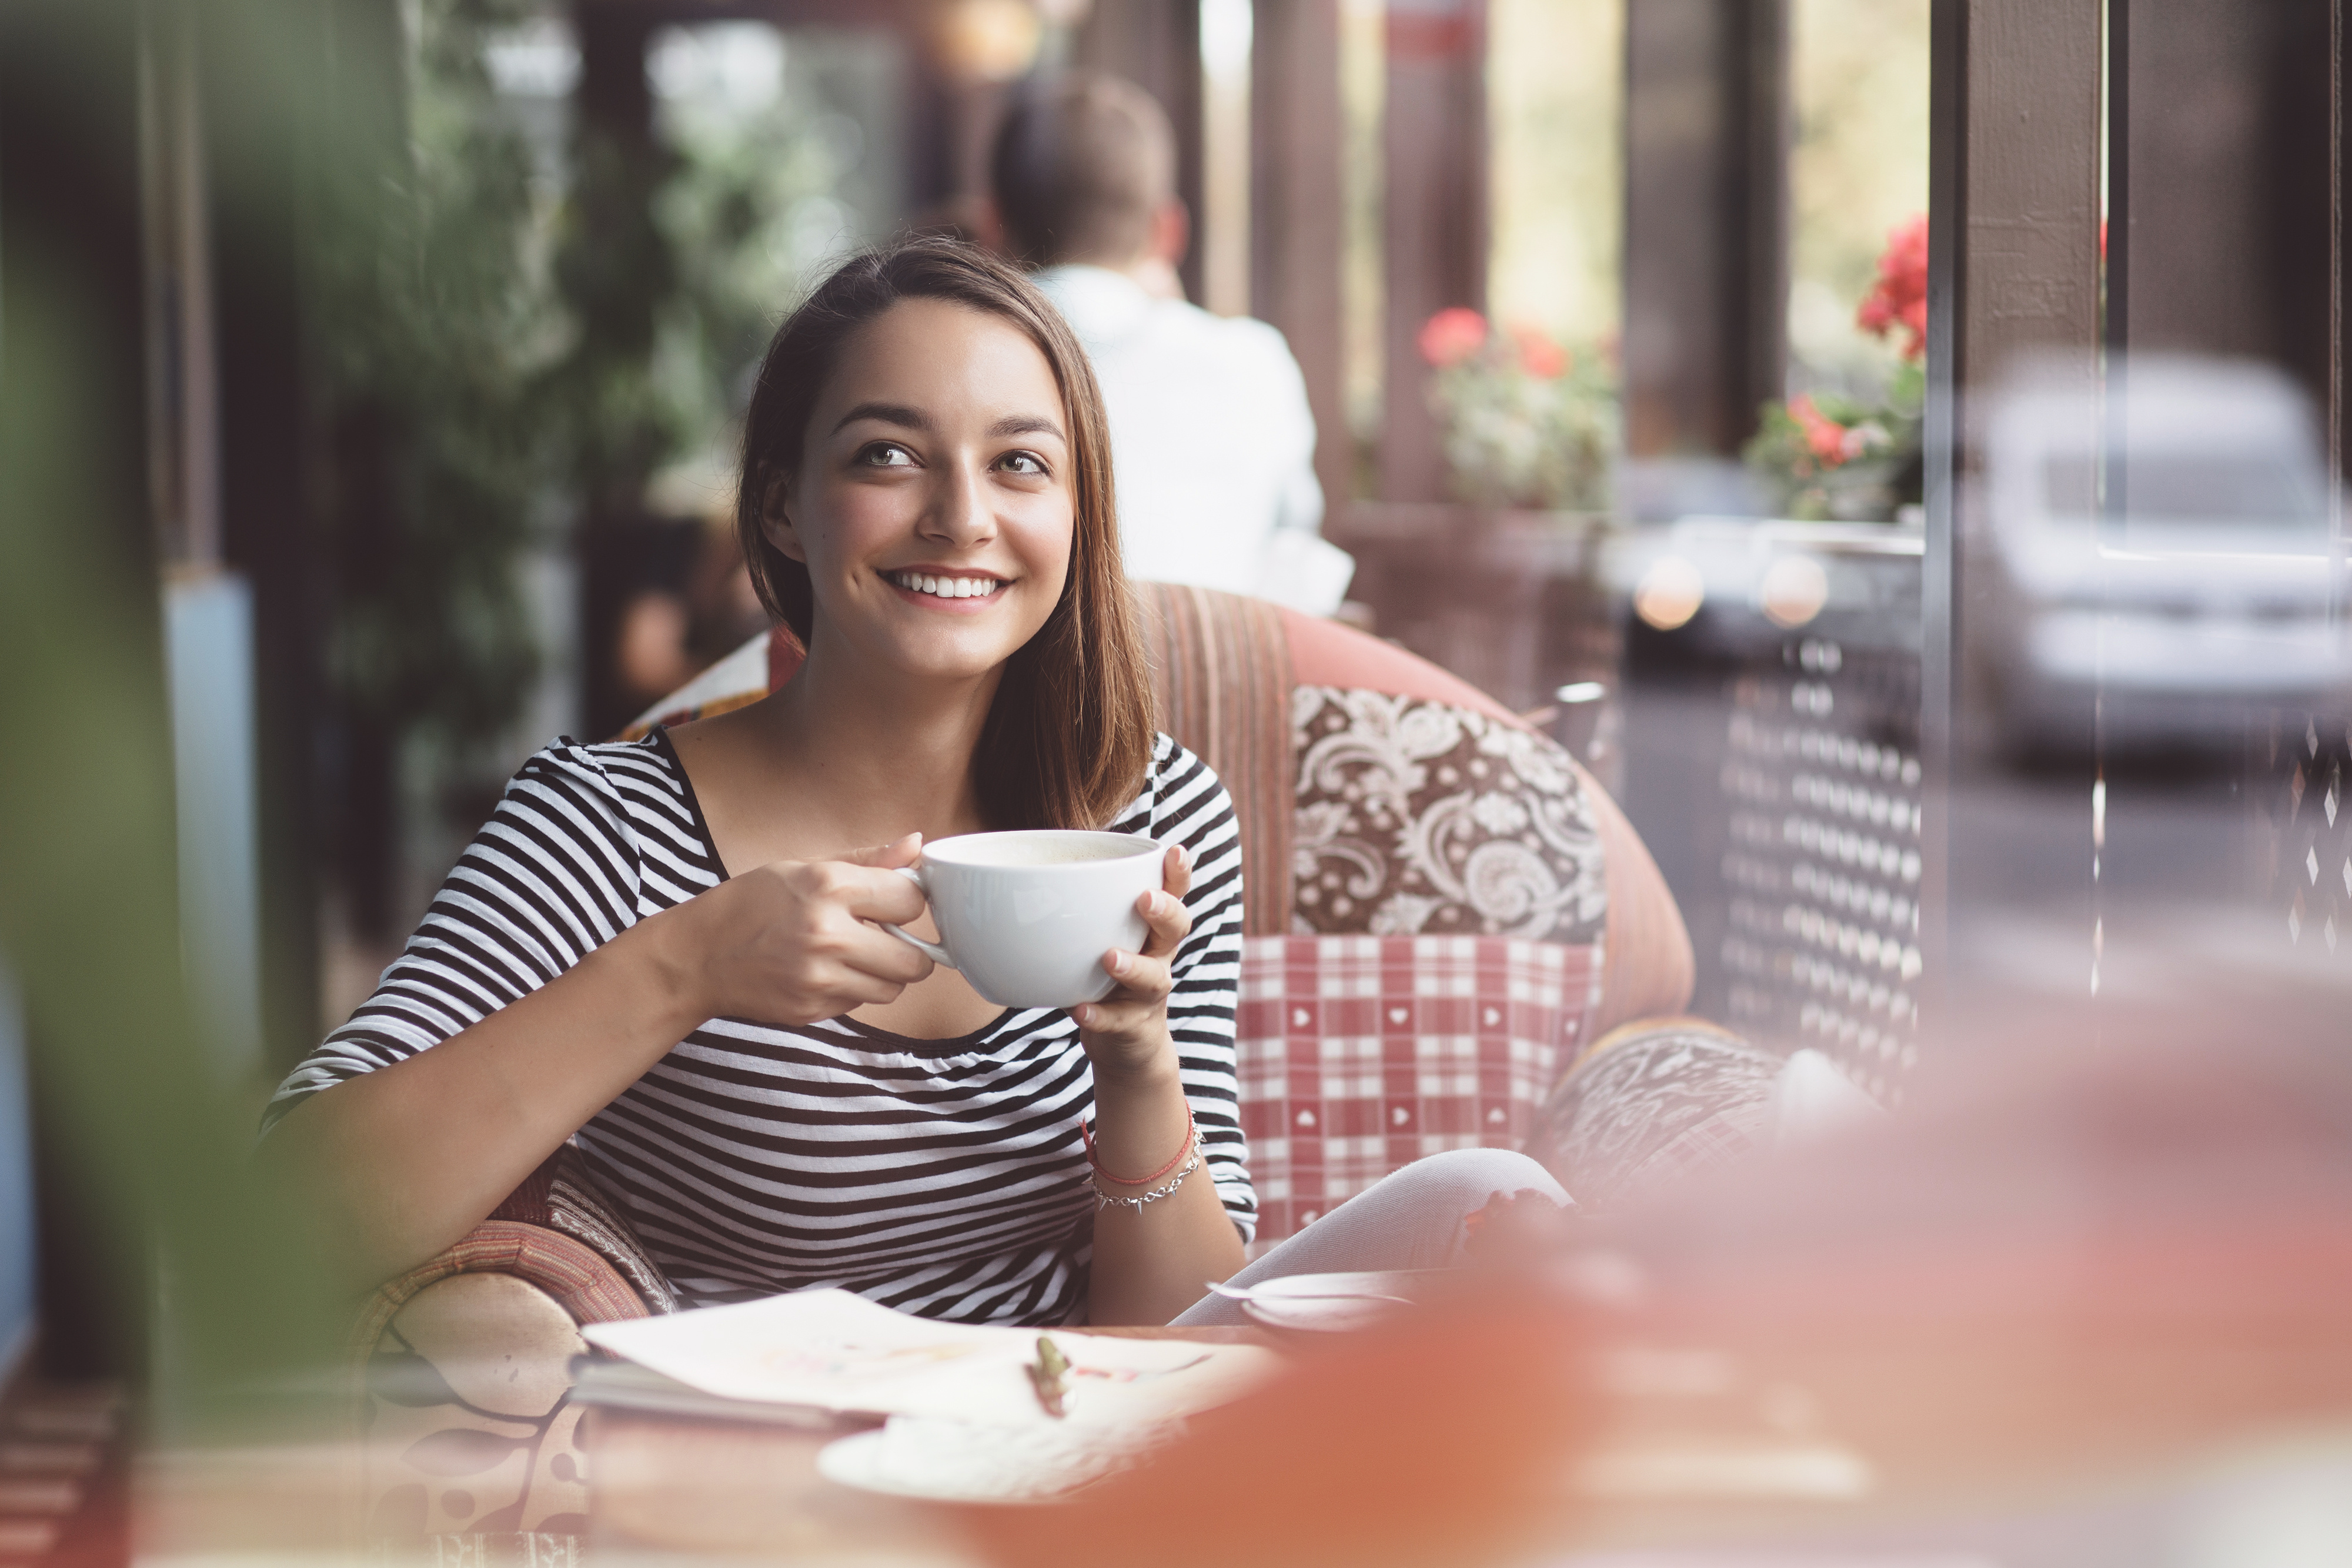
x=1361, y=1055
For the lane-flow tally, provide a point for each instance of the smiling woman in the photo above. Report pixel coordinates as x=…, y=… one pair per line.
x=669, y=954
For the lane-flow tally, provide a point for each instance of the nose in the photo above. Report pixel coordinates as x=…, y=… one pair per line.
x=959, y=513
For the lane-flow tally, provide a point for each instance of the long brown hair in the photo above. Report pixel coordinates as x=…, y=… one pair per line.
x=1068, y=736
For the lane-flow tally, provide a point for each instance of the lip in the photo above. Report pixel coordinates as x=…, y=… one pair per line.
x=933, y=601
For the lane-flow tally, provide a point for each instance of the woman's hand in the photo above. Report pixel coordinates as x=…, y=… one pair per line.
x=1128, y=1029
x=791, y=942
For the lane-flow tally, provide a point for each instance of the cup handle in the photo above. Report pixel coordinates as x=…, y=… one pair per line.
x=932, y=950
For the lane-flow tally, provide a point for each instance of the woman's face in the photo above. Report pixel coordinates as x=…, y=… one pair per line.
x=933, y=503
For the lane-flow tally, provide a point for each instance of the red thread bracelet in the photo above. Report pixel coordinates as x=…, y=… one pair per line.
x=1087, y=1135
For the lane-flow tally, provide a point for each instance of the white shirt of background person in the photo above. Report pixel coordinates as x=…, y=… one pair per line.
x=1212, y=439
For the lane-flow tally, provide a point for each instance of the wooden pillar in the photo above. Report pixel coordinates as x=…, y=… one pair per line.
x=2023, y=239
x=1297, y=217
x=617, y=268
x=2014, y=273
x=1434, y=220
x=261, y=57
x=2218, y=216
x=1706, y=222
x=1156, y=44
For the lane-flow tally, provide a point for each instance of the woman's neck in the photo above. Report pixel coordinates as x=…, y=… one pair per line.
x=877, y=754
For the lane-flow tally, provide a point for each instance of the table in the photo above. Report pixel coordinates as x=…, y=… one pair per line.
x=1732, y=1433
x=662, y=1485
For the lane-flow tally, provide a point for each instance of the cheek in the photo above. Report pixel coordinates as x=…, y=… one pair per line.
x=1047, y=537
x=850, y=519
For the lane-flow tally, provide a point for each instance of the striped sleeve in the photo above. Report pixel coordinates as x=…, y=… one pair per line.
x=554, y=874
x=1187, y=805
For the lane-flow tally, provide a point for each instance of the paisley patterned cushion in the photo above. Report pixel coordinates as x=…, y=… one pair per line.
x=1417, y=818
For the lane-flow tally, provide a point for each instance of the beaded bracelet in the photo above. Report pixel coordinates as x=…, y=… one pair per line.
x=1192, y=1136
x=1191, y=1158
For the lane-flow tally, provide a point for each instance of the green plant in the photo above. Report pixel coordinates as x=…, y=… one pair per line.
x=436, y=320
x=767, y=180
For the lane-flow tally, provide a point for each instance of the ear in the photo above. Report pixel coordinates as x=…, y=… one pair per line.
x=1171, y=231
x=776, y=523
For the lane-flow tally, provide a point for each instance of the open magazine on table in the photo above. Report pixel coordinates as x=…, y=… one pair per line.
x=815, y=1357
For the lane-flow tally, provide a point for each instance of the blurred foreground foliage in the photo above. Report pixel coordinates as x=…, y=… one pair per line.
x=146, y=1166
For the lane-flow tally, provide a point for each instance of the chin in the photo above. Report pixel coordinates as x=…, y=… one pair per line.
x=952, y=658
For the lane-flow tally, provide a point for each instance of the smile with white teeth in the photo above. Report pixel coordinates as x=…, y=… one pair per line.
x=947, y=587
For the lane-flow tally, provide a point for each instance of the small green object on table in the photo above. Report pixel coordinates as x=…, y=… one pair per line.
x=1051, y=1366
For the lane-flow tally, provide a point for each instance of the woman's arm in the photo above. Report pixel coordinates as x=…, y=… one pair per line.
x=1149, y=1263
x=409, y=1157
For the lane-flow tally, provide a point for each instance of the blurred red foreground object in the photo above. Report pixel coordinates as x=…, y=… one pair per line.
x=1438, y=1441
x=2061, y=1268
x=2063, y=1264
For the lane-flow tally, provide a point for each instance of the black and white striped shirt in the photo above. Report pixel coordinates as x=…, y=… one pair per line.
x=942, y=1176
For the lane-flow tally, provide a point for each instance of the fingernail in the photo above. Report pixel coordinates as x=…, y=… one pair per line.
x=1116, y=961
x=1083, y=1014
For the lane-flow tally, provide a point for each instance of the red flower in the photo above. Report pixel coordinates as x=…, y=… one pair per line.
x=1538, y=355
x=1452, y=336
x=1899, y=298
x=1825, y=438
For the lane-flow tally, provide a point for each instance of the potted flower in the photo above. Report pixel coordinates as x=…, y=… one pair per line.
x=1823, y=456
x=1525, y=420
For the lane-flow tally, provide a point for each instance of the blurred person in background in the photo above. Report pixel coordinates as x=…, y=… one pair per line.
x=1215, y=442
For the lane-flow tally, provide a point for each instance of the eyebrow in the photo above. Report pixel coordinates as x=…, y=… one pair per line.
x=898, y=413
x=888, y=412
x=1026, y=424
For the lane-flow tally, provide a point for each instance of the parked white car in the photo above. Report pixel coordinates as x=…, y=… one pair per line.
x=2167, y=548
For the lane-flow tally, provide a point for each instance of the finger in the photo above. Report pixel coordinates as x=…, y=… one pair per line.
x=1141, y=976
x=873, y=951
x=851, y=988
x=903, y=851
x=1165, y=920
x=1114, y=1016
x=1176, y=871
x=873, y=894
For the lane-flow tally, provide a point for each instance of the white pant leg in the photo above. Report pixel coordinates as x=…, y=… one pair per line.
x=1410, y=1218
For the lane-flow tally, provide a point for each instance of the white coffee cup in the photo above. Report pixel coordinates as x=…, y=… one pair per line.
x=1027, y=916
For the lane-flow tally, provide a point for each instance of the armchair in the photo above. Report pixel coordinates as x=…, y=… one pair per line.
x=1443, y=912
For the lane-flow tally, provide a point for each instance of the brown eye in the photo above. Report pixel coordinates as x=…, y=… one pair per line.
x=886, y=455
x=1027, y=463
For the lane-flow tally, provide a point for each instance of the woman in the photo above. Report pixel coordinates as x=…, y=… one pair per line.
x=667, y=952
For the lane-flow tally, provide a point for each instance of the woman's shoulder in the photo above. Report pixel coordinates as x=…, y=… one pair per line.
x=605, y=764
x=1179, y=787
x=627, y=778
